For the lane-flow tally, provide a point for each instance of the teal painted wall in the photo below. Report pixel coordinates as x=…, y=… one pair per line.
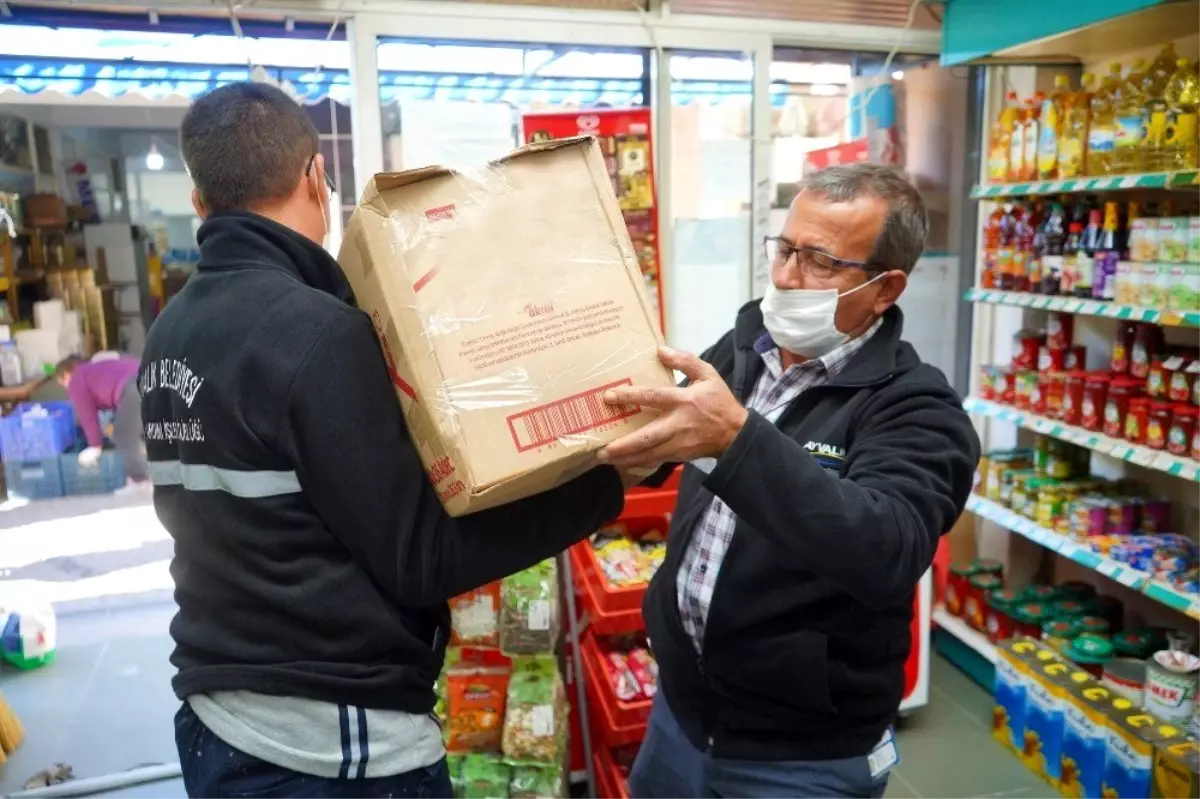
x=975, y=28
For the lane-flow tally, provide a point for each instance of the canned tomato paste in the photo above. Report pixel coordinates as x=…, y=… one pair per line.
x=974, y=605
x=956, y=586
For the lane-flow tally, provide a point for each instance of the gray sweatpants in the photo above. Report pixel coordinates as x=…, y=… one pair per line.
x=127, y=433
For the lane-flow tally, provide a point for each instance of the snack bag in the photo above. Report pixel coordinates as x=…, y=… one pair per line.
x=475, y=617
x=454, y=764
x=529, y=610
x=536, y=722
x=484, y=777
x=475, y=697
x=536, y=782
x=645, y=670
x=624, y=683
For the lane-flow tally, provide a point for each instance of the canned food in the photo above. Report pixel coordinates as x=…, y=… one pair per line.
x=1025, y=350
x=1171, y=682
x=1126, y=676
x=1090, y=653
x=1057, y=633
x=998, y=621
x=956, y=587
x=973, y=606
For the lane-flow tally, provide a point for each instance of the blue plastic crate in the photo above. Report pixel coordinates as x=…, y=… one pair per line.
x=34, y=478
x=103, y=478
x=37, y=430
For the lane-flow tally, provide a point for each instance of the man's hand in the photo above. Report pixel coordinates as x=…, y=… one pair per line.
x=90, y=457
x=698, y=421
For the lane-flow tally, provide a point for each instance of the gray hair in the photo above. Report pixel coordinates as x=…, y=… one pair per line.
x=906, y=226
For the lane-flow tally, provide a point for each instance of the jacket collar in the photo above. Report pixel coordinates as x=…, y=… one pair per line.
x=874, y=363
x=240, y=239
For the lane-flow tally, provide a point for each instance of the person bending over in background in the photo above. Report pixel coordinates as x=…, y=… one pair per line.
x=109, y=384
x=313, y=560
x=824, y=462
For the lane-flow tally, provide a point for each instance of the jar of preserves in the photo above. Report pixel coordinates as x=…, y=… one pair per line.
x=1029, y=618
x=1136, y=419
x=1026, y=387
x=1053, y=394
x=1058, y=633
x=1159, y=425
x=1042, y=594
x=1003, y=387
x=987, y=382
x=1095, y=394
x=1095, y=625
x=1068, y=608
x=956, y=587
x=1051, y=360
x=1072, y=406
x=998, y=622
x=1147, y=343
x=1076, y=357
x=978, y=587
x=1090, y=653
x=1116, y=405
x=1122, y=344
x=1156, y=379
x=1182, y=429
x=1179, y=378
x=1025, y=350
x=1060, y=330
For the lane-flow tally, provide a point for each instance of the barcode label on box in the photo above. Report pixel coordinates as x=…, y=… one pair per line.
x=573, y=415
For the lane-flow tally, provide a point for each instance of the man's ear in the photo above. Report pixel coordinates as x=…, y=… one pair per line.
x=316, y=177
x=198, y=204
x=894, y=284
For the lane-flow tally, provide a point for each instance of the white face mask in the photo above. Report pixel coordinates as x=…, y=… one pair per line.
x=801, y=320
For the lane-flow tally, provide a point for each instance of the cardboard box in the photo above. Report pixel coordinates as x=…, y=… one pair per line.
x=1133, y=737
x=1044, y=710
x=507, y=300
x=1085, y=727
x=1176, y=771
x=1014, y=664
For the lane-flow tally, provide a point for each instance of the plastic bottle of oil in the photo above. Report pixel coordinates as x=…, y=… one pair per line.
x=1127, y=110
x=1031, y=136
x=1072, y=141
x=1153, y=155
x=1052, y=115
x=1016, y=143
x=1001, y=139
x=1102, y=131
x=1182, y=96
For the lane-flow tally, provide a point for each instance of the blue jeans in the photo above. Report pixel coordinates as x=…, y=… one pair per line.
x=668, y=765
x=213, y=768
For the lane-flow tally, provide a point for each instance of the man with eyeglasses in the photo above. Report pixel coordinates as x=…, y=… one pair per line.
x=313, y=560
x=823, y=462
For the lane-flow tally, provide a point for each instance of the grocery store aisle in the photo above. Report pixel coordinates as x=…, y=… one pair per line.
x=947, y=749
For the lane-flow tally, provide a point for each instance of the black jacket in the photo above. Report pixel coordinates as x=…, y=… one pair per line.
x=312, y=557
x=840, y=505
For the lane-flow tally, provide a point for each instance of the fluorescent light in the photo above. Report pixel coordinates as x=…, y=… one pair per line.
x=898, y=75
x=154, y=159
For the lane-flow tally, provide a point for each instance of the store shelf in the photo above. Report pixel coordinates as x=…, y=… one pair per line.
x=1116, y=448
x=1149, y=180
x=963, y=632
x=1073, y=305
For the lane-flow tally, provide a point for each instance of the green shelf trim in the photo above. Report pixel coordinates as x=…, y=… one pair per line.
x=1108, y=310
x=1149, y=180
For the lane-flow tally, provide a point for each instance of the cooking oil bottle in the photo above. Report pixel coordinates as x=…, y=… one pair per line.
x=1016, y=143
x=1127, y=108
x=1102, y=130
x=1153, y=154
x=1072, y=141
x=1001, y=139
x=1052, y=115
x=1180, y=144
x=1031, y=136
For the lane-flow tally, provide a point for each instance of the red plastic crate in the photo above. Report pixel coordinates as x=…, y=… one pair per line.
x=619, y=723
x=609, y=782
x=643, y=503
x=591, y=599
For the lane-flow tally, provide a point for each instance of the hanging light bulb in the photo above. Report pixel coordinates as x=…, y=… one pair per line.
x=154, y=159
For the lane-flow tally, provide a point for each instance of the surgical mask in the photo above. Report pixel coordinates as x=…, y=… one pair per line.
x=801, y=320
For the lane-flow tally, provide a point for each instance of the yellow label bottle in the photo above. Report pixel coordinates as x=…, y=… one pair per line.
x=1072, y=141
x=1153, y=156
x=1180, y=142
x=1001, y=139
x=1128, y=110
x=1102, y=131
x=1053, y=113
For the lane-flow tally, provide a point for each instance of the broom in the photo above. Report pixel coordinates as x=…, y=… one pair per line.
x=11, y=731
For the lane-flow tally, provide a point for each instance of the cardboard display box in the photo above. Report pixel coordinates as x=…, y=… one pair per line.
x=507, y=299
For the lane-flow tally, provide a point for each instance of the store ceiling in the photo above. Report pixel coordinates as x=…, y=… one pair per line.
x=886, y=13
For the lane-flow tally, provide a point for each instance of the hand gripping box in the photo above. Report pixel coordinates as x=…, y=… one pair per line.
x=507, y=300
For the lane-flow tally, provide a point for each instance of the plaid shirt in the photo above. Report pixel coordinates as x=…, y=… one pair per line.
x=774, y=391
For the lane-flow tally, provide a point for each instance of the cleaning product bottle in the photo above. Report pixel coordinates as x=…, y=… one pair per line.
x=1016, y=144
x=1001, y=139
x=1052, y=115
x=1072, y=141
x=1182, y=95
x=1031, y=137
x=1152, y=152
x=1127, y=106
x=1102, y=131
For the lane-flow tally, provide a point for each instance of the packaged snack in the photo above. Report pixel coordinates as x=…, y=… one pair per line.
x=1143, y=240
x=1128, y=285
x=475, y=617
x=485, y=777
x=535, y=725
x=645, y=671
x=1193, y=242
x=620, y=676
x=536, y=782
x=454, y=765
x=529, y=610
x=1172, y=240
x=1151, y=288
x=475, y=697
x=1183, y=288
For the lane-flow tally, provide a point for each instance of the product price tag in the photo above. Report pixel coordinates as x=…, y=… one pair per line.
x=541, y=719
x=539, y=614
x=884, y=756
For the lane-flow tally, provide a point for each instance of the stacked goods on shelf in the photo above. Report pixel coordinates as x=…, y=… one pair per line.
x=1149, y=395
x=1140, y=254
x=1136, y=121
x=502, y=697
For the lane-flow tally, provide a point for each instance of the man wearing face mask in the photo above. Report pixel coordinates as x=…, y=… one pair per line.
x=823, y=462
x=313, y=560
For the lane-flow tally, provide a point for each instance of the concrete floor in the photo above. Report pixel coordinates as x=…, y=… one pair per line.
x=105, y=705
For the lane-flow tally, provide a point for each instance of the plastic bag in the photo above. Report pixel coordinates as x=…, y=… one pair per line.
x=536, y=782
x=529, y=610
x=485, y=777
x=475, y=698
x=535, y=723
x=475, y=617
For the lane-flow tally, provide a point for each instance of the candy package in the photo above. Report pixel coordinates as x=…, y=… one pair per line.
x=529, y=610
x=475, y=698
x=485, y=777
x=475, y=617
x=535, y=726
x=645, y=670
x=627, y=562
x=536, y=782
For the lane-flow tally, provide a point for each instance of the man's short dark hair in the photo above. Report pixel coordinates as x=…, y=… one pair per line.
x=246, y=145
x=67, y=365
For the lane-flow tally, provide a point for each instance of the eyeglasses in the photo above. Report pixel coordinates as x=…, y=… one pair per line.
x=814, y=263
x=328, y=182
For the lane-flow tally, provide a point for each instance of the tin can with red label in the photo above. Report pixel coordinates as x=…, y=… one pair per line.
x=1003, y=388
x=1076, y=357
x=1060, y=330
x=1025, y=350
x=1051, y=360
x=1026, y=387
